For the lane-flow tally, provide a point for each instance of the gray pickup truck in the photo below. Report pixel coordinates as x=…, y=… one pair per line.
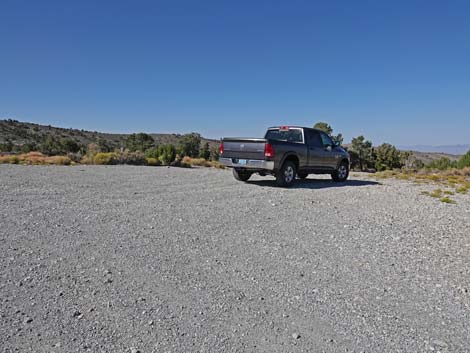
x=285, y=152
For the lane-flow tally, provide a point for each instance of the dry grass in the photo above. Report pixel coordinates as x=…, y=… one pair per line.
x=436, y=193
x=201, y=162
x=452, y=178
x=446, y=200
x=35, y=158
x=153, y=162
x=105, y=158
x=10, y=159
x=439, y=194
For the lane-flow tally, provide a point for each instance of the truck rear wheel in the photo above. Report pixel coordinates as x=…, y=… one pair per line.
x=342, y=173
x=241, y=175
x=286, y=175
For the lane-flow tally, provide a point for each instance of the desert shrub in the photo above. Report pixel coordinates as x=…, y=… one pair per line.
x=28, y=147
x=92, y=149
x=441, y=164
x=189, y=145
x=86, y=159
x=201, y=162
x=168, y=154
x=217, y=165
x=58, y=160
x=103, y=145
x=214, y=153
x=132, y=158
x=362, y=153
x=153, y=161
x=155, y=153
x=7, y=146
x=465, y=171
x=10, y=159
x=36, y=158
x=464, y=161
x=105, y=158
x=387, y=157
x=68, y=145
x=139, y=142
x=205, y=151
x=75, y=157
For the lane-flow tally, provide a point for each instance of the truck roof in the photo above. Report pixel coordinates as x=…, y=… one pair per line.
x=293, y=127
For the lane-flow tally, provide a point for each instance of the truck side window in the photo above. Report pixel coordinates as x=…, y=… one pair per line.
x=314, y=139
x=326, y=140
x=295, y=135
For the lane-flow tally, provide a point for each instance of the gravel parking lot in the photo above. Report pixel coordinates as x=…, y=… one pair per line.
x=142, y=259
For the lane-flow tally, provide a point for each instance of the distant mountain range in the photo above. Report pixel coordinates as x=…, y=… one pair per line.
x=447, y=149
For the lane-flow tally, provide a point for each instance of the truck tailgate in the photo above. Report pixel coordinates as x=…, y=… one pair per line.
x=242, y=148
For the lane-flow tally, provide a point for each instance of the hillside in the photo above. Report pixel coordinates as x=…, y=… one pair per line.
x=444, y=149
x=427, y=157
x=20, y=133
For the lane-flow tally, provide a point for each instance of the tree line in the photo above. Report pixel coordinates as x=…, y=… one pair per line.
x=364, y=156
x=189, y=145
x=139, y=147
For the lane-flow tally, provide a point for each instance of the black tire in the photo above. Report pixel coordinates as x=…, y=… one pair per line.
x=286, y=175
x=342, y=173
x=241, y=175
x=302, y=175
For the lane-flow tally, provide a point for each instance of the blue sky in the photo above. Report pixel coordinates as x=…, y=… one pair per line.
x=395, y=71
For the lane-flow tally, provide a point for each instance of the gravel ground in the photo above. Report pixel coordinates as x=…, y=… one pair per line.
x=142, y=259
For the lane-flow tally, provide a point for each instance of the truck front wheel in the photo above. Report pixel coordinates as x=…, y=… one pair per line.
x=342, y=173
x=286, y=175
x=241, y=175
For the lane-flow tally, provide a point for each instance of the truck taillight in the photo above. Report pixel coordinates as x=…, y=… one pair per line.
x=268, y=150
x=221, y=148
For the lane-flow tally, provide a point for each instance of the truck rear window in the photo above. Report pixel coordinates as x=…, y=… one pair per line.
x=291, y=135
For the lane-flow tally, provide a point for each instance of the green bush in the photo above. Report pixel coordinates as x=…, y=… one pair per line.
x=214, y=154
x=189, y=145
x=155, y=153
x=464, y=161
x=442, y=164
x=329, y=130
x=7, y=146
x=132, y=158
x=205, y=151
x=387, y=157
x=139, y=142
x=361, y=153
x=168, y=154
